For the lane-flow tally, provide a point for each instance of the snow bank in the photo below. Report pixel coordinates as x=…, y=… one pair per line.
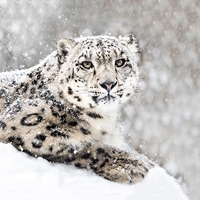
x=26, y=178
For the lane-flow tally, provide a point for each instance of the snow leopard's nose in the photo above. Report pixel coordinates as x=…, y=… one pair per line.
x=108, y=85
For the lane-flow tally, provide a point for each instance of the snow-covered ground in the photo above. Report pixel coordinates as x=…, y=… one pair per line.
x=25, y=178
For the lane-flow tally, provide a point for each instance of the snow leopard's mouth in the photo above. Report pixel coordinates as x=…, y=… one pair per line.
x=106, y=98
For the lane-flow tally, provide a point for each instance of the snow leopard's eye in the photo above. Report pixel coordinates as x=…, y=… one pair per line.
x=120, y=62
x=87, y=64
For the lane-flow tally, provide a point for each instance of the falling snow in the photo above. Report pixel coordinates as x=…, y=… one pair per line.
x=163, y=119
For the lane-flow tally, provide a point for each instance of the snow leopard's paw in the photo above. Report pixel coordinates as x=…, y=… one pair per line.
x=120, y=166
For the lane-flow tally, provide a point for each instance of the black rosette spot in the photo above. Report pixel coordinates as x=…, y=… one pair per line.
x=31, y=120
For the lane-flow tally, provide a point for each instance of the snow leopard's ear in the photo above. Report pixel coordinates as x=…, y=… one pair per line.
x=64, y=47
x=132, y=44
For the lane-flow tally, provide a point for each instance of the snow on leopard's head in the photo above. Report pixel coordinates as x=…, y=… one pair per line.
x=98, y=70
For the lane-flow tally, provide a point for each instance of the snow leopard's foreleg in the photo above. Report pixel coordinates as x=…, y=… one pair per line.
x=111, y=163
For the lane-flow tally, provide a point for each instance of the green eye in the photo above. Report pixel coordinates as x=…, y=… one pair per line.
x=120, y=62
x=87, y=64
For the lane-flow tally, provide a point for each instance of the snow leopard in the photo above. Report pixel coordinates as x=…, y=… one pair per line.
x=66, y=109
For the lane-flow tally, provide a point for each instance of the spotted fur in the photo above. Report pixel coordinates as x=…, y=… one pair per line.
x=66, y=108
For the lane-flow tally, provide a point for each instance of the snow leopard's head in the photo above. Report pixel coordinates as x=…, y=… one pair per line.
x=98, y=70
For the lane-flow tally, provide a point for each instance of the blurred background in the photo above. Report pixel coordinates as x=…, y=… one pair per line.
x=163, y=119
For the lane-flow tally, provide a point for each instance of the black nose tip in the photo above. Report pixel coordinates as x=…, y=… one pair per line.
x=108, y=85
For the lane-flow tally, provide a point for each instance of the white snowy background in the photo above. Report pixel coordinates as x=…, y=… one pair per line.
x=163, y=121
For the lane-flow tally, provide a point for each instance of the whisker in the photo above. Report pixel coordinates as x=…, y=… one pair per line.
x=128, y=88
x=142, y=75
x=81, y=92
x=139, y=94
x=137, y=101
x=84, y=90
